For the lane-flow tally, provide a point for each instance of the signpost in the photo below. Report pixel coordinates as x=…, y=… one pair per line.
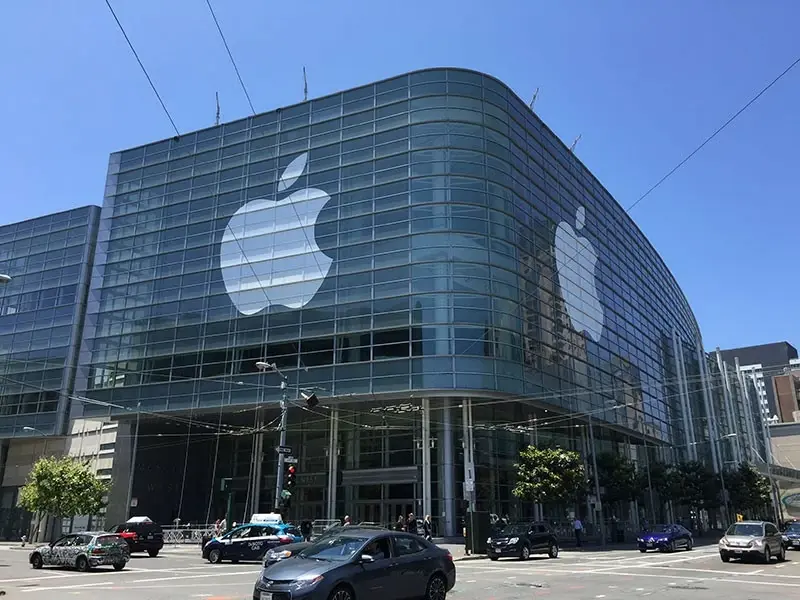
x=283, y=450
x=290, y=460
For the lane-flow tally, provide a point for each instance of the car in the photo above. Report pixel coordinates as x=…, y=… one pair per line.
x=142, y=535
x=520, y=540
x=665, y=538
x=361, y=563
x=287, y=551
x=791, y=536
x=83, y=551
x=289, y=530
x=245, y=542
x=752, y=539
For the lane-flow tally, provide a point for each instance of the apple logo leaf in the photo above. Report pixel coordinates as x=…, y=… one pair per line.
x=292, y=172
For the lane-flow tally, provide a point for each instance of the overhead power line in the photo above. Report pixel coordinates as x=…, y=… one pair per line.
x=716, y=132
x=146, y=74
x=230, y=55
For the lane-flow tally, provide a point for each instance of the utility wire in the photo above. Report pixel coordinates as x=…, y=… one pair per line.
x=146, y=74
x=716, y=132
x=230, y=55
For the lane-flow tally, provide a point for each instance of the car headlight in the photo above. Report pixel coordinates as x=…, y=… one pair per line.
x=639, y=540
x=513, y=540
x=279, y=554
x=663, y=539
x=785, y=538
x=723, y=542
x=755, y=543
x=305, y=582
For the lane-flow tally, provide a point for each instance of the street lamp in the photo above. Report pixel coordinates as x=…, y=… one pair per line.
x=40, y=432
x=5, y=278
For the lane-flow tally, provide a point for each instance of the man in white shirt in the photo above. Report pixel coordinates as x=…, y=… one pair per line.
x=576, y=523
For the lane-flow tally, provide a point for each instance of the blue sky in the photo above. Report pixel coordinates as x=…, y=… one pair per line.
x=642, y=82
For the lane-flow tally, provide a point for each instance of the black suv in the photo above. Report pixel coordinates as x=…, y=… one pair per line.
x=520, y=540
x=142, y=535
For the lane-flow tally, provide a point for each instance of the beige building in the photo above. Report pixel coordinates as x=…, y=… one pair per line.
x=786, y=454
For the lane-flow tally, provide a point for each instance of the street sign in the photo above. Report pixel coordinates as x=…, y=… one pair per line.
x=290, y=460
x=283, y=450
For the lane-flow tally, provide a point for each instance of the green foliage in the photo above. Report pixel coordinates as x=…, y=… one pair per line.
x=749, y=490
x=546, y=475
x=695, y=485
x=61, y=487
x=617, y=476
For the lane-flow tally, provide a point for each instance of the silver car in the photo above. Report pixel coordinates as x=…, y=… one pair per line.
x=83, y=551
x=752, y=539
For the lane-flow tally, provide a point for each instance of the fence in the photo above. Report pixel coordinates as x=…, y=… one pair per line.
x=187, y=535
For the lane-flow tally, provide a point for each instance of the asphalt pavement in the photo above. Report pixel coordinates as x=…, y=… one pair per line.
x=180, y=573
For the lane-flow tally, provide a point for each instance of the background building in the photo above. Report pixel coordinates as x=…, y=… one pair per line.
x=42, y=308
x=786, y=389
x=762, y=362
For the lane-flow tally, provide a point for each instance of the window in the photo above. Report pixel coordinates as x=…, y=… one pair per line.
x=378, y=549
x=405, y=545
x=771, y=529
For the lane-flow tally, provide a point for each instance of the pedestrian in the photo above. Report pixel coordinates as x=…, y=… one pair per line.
x=346, y=520
x=578, y=525
x=305, y=530
x=223, y=525
x=217, y=527
x=427, y=528
x=411, y=523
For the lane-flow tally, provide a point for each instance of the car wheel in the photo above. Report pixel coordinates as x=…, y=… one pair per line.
x=672, y=546
x=36, y=561
x=782, y=554
x=689, y=544
x=341, y=593
x=437, y=588
x=552, y=551
x=152, y=553
x=82, y=564
x=767, y=555
x=525, y=553
x=118, y=566
x=493, y=558
x=642, y=550
x=725, y=558
x=235, y=561
x=215, y=556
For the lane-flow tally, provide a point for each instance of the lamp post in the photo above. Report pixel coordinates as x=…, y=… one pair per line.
x=40, y=432
x=265, y=367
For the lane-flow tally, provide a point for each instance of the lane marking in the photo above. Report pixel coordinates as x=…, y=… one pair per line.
x=66, y=587
x=218, y=574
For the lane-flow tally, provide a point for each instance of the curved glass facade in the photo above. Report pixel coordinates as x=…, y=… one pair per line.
x=424, y=236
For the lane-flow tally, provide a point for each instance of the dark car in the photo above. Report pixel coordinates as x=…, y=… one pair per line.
x=792, y=536
x=142, y=535
x=520, y=540
x=245, y=542
x=287, y=551
x=83, y=551
x=665, y=538
x=361, y=563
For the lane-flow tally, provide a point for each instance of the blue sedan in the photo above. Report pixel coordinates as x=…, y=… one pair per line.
x=250, y=541
x=666, y=538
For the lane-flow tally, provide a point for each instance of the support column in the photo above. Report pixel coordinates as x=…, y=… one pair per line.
x=748, y=414
x=427, y=503
x=709, y=407
x=729, y=412
x=333, y=462
x=469, y=454
x=448, y=472
x=691, y=449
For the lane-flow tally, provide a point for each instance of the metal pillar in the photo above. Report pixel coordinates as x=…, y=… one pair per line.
x=469, y=447
x=748, y=413
x=448, y=475
x=726, y=396
x=709, y=407
x=599, y=503
x=133, y=463
x=333, y=462
x=427, y=501
x=691, y=449
x=282, y=442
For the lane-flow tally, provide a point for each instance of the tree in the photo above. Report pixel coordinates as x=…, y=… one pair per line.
x=617, y=475
x=749, y=490
x=547, y=475
x=695, y=485
x=62, y=487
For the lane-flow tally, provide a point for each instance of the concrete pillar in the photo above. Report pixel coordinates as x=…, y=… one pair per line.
x=333, y=463
x=447, y=476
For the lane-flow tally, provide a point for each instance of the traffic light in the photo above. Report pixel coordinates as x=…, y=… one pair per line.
x=291, y=472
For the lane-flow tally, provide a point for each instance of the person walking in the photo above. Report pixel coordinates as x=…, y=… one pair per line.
x=400, y=524
x=427, y=528
x=346, y=521
x=578, y=525
x=305, y=530
x=411, y=524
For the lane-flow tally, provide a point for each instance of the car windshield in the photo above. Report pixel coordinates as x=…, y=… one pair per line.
x=110, y=540
x=515, y=529
x=336, y=548
x=793, y=528
x=745, y=529
x=658, y=529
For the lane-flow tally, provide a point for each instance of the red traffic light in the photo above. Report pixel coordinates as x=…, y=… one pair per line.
x=291, y=470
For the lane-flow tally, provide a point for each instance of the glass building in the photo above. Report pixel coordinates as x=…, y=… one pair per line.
x=49, y=260
x=426, y=256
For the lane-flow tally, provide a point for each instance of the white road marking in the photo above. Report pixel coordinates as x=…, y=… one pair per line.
x=217, y=574
x=639, y=589
x=67, y=587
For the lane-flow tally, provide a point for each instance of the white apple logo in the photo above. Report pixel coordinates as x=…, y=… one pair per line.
x=268, y=253
x=575, y=262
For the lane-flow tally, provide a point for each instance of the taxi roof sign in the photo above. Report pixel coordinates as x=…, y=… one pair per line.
x=266, y=518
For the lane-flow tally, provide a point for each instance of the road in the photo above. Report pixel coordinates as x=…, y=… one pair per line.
x=179, y=574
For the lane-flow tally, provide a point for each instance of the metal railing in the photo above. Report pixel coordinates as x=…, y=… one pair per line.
x=187, y=535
